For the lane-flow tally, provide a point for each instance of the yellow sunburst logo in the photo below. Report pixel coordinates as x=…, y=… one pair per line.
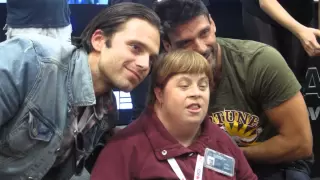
x=243, y=127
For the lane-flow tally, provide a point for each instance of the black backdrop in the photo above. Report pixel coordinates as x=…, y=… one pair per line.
x=227, y=16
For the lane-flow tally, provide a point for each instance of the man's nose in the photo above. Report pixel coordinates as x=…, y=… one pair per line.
x=143, y=62
x=200, y=47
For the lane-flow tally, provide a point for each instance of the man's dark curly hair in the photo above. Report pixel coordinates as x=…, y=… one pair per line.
x=176, y=12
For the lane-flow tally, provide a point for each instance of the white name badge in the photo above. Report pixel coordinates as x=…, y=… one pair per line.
x=219, y=162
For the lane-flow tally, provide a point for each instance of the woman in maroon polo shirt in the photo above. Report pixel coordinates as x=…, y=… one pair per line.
x=173, y=138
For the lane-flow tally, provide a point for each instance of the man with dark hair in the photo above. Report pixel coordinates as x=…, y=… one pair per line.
x=138, y=96
x=256, y=98
x=56, y=100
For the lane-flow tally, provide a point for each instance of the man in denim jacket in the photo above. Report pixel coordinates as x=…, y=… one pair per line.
x=56, y=100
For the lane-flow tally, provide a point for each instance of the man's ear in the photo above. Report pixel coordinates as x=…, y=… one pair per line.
x=158, y=93
x=166, y=45
x=98, y=40
x=212, y=24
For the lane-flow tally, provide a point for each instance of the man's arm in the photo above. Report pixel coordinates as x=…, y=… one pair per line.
x=16, y=77
x=306, y=35
x=294, y=141
x=278, y=91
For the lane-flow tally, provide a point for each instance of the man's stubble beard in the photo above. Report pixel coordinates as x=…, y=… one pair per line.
x=213, y=63
x=214, y=57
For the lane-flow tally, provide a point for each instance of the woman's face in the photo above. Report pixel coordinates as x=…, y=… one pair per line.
x=185, y=98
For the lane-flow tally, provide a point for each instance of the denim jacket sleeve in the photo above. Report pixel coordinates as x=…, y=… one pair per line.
x=19, y=67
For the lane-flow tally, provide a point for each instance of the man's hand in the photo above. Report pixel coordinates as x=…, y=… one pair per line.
x=308, y=39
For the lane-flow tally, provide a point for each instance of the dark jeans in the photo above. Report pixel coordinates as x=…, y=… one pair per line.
x=298, y=170
x=281, y=39
x=288, y=174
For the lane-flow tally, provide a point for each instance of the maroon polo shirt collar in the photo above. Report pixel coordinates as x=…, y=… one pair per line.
x=164, y=145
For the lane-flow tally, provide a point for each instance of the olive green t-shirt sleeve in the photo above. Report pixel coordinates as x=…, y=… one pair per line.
x=270, y=80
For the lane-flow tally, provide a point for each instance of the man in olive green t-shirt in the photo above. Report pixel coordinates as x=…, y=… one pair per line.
x=256, y=99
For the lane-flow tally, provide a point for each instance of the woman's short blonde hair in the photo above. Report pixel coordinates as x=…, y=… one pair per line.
x=177, y=62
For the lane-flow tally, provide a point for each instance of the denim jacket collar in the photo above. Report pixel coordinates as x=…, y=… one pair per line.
x=79, y=83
